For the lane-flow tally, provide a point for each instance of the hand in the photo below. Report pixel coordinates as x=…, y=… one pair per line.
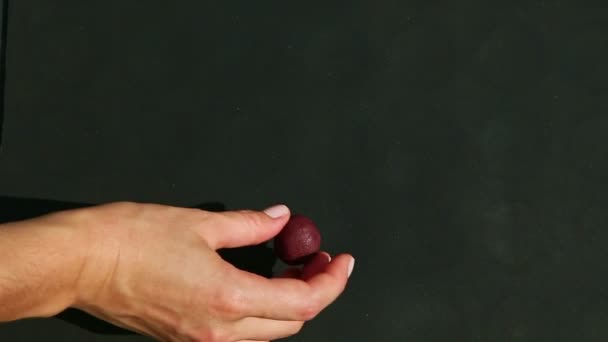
x=154, y=269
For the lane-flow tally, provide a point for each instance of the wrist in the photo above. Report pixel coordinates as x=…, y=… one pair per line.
x=99, y=256
x=80, y=282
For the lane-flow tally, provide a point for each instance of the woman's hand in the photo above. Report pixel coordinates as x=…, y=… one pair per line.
x=154, y=269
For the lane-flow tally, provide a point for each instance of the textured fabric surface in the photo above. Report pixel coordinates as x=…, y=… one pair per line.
x=458, y=149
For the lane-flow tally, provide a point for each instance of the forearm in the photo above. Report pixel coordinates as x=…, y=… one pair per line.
x=40, y=262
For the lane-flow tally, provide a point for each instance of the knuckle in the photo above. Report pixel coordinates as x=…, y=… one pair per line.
x=229, y=303
x=252, y=219
x=211, y=335
x=309, y=310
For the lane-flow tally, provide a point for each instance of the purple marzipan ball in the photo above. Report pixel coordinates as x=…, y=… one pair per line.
x=298, y=241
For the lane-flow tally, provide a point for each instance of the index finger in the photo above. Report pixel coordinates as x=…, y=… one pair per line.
x=298, y=300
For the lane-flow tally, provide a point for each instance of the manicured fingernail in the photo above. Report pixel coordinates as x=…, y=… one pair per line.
x=351, y=265
x=327, y=256
x=277, y=211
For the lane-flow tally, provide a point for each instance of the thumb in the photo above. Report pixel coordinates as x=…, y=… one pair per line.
x=246, y=227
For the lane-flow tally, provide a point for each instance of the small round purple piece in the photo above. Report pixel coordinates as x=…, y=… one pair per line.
x=298, y=241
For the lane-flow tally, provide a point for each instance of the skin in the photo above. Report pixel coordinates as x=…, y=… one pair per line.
x=154, y=269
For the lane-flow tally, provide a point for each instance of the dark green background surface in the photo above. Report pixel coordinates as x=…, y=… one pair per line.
x=459, y=149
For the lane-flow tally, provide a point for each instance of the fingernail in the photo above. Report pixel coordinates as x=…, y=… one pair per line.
x=327, y=256
x=351, y=265
x=277, y=211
